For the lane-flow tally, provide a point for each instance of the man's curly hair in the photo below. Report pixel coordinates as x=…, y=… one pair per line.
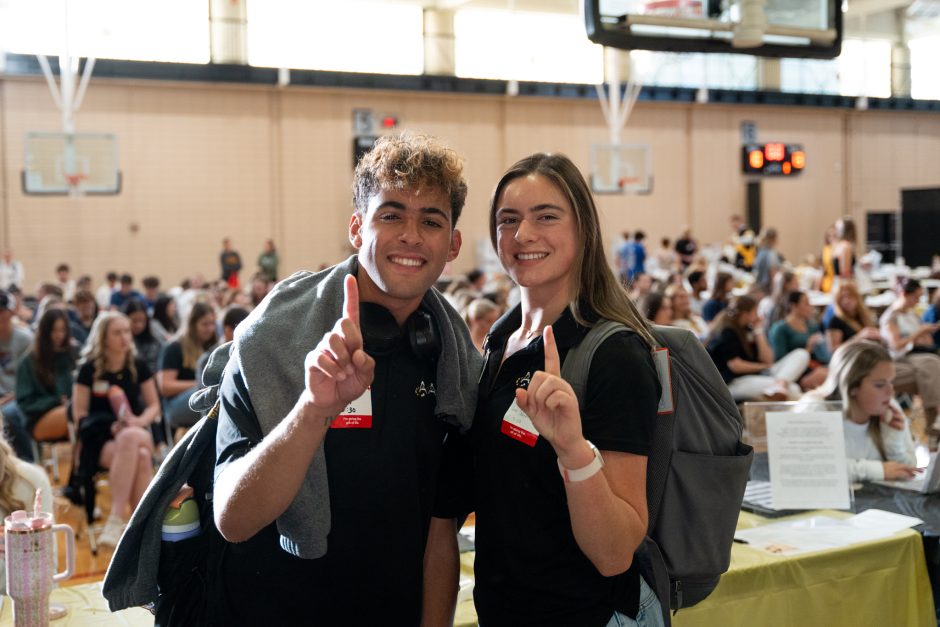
x=410, y=161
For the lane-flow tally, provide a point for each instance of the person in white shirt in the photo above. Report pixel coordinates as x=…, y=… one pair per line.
x=11, y=271
x=103, y=293
x=64, y=282
x=878, y=441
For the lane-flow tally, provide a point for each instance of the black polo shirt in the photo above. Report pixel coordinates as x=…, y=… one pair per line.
x=385, y=484
x=529, y=569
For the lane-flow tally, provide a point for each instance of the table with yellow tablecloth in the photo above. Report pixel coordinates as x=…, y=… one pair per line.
x=882, y=583
x=86, y=608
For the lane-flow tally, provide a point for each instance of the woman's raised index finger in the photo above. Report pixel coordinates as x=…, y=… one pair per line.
x=552, y=361
x=351, y=299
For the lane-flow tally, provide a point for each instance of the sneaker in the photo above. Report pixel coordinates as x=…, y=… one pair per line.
x=112, y=532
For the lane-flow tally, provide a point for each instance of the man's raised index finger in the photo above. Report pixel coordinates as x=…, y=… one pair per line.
x=351, y=299
x=552, y=361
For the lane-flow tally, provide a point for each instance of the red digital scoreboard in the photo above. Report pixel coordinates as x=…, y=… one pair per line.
x=773, y=159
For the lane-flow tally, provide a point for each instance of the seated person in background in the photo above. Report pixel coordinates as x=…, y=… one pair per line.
x=698, y=283
x=124, y=292
x=82, y=315
x=44, y=378
x=176, y=377
x=932, y=316
x=656, y=308
x=773, y=306
x=915, y=355
x=851, y=320
x=878, y=441
x=115, y=403
x=721, y=292
x=14, y=344
x=148, y=345
x=799, y=330
x=682, y=314
x=480, y=314
x=641, y=285
x=19, y=481
x=164, y=324
x=744, y=359
x=232, y=318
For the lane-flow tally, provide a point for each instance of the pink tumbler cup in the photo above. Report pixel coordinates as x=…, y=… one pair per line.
x=30, y=562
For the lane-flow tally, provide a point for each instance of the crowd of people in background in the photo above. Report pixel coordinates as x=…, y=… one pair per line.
x=62, y=347
x=117, y=362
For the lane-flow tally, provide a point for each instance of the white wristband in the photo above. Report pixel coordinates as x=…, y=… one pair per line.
x=580, y=474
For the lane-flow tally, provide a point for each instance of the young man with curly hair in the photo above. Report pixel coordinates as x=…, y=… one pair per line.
x=342, y=406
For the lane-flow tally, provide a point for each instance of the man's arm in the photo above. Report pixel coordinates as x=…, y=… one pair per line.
x=256, y=488
x=441, y=574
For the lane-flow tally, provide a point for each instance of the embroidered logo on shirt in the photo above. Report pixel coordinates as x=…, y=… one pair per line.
x=424, y=389
x=524, y=380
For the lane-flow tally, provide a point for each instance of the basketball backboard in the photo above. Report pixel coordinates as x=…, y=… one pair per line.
x=621, y=169
x=70, y=163
x=771, y=28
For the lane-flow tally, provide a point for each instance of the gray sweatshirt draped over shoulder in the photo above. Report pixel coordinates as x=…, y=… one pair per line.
x=271, y=345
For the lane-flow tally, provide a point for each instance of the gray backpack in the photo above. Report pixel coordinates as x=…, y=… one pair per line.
x=696, y=472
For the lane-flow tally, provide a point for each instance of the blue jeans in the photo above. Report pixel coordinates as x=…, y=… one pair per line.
x=649, y=614
x=14, y=430
x=178, y=411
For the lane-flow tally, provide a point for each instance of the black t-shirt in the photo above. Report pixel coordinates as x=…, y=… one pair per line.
x=686, y=246
x=124, y=379
x=171, y=358
x=529, y=569
x=385, y=484
x=838, y=324
x=723, y=348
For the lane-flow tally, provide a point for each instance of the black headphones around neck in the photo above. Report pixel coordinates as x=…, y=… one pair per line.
x=381, y=335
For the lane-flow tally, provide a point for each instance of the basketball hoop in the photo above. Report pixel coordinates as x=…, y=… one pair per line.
x=74, y=182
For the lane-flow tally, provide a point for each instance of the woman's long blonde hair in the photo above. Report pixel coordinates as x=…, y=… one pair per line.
x=96, y=347
x=852, y=362
x=594, y=287
x=8, y=477
x=862, y=317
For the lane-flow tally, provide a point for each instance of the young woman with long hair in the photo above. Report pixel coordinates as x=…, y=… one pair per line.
x=682, y=314
x=571, y=478
x=851, y=319
x=721, y=292
x=878, y=441
x=799, y=329
x=115, y=403
x=744, y=359
x=148, y=344
x=165, y=322
x=44, y=378
x=843, y=251
x=176, y=376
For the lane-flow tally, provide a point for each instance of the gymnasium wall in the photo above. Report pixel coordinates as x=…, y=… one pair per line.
x=205, y=161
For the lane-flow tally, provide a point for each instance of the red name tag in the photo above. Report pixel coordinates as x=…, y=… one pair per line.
x=352, y=422
x=357, y=415
x=518, y=434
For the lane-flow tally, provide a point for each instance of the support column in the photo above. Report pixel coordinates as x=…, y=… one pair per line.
x=228, y=31
x=439, y=53
x=768, y=74
x=900, y=59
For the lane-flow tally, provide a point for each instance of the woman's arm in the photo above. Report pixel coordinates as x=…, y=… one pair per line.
x=742, y=366
x=608, y=510
x=148, y=390
x=834, y=338
x=81, y=400
x=845, y=260
x=170, y=386
x=764, y=353
x=892, y=334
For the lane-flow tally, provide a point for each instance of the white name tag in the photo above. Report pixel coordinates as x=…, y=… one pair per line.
x=357, y=415
x=663, y=370
x=100, y=388
x=518, y=425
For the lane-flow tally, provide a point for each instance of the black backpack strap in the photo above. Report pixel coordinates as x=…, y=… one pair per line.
x=578, y=360
x=653, y=569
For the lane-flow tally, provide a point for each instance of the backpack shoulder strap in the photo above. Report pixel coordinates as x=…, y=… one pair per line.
x=577, y=363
